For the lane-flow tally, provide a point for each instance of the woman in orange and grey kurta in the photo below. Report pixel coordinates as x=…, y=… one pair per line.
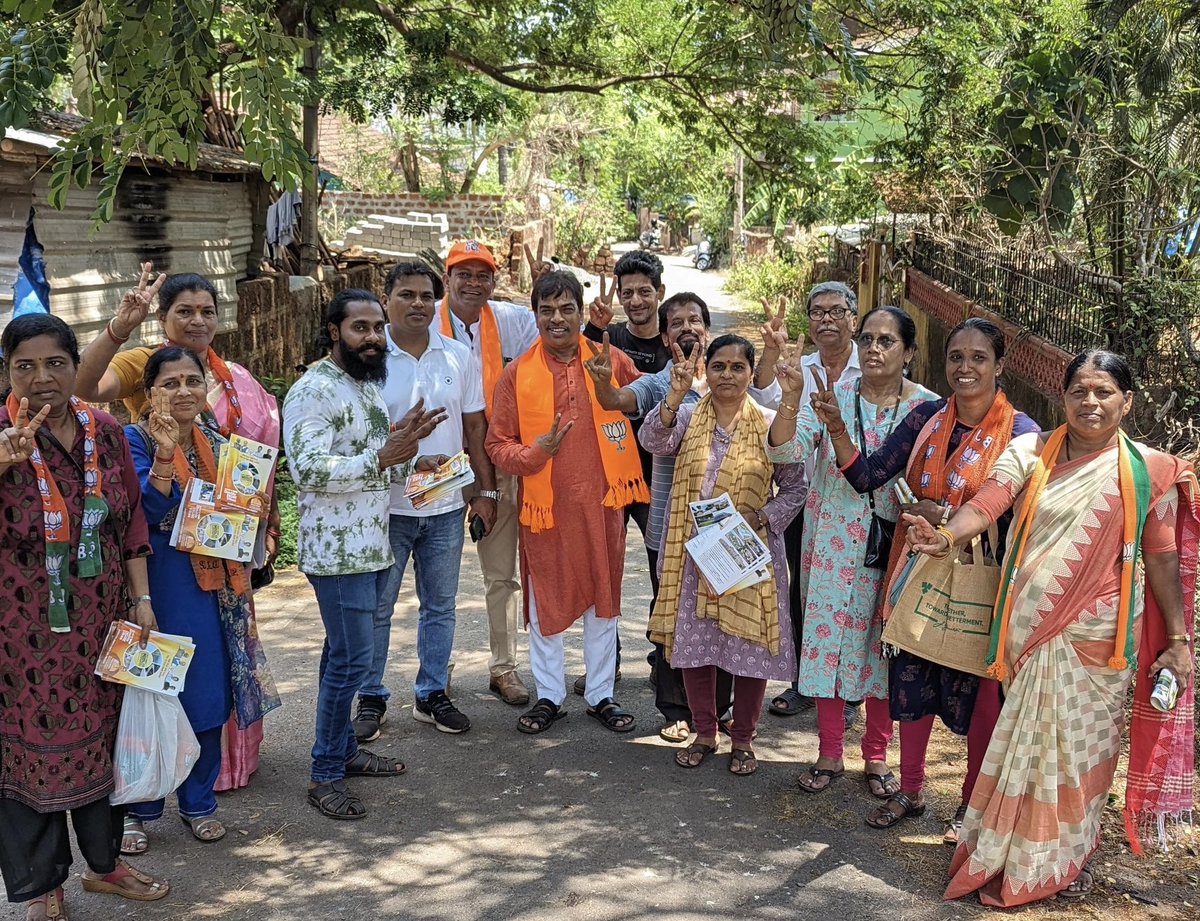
x=577, y=468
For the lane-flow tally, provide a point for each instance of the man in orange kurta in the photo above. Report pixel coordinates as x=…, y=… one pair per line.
x=577, y=467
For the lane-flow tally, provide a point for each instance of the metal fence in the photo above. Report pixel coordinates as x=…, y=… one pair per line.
x=1154, y=324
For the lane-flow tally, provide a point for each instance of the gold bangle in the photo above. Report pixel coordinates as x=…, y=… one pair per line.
x=160, y=477
x=794, y=410
x=945, y=532
x=1178, y=638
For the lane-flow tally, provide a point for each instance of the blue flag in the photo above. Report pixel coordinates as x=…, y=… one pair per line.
x=31, y=293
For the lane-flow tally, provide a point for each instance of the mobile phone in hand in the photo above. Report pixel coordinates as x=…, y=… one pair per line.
x=477, y=529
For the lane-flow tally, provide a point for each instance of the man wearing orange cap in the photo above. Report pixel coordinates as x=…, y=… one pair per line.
x=496, y=332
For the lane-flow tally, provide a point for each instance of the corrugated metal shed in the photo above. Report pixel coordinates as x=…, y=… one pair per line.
x=180, y=221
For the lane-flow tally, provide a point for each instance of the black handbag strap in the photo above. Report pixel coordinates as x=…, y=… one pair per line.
x=858, y=421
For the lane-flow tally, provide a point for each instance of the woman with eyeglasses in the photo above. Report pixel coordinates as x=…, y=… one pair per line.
x=840, y=655
x=946, y=450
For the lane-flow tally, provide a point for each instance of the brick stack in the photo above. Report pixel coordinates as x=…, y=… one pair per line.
x=466, y=215
x=604, y=261
x=396, y=237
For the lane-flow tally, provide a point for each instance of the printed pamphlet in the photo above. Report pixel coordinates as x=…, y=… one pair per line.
x=425, y=488
x=161, y=667
x=726, y=550
x=201, y=526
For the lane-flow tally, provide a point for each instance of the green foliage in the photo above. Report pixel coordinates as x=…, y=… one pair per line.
x=289, y=516
x=583, y=226
x=768, y=278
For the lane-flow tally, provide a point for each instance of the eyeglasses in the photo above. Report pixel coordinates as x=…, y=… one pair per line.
x=833, y=313
x=865, y=341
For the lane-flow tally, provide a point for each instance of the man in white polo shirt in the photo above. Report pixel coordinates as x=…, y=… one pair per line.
x=421, y=363
x=496, y=332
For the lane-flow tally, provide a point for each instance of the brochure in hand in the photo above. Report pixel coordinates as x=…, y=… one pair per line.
x=726, y=549
x=161, y=667
x=243, y=474
x=422, y=489
x=201, y=526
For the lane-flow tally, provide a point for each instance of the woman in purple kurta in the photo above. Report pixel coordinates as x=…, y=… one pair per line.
x=58, y=721
x=700, y=645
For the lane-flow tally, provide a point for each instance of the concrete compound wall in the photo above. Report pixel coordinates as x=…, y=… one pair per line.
x=465, y=215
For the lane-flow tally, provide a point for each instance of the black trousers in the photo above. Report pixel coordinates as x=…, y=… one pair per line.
x=35, y=847
x=792, y=545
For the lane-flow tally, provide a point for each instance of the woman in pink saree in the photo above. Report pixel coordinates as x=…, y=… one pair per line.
x=1098, y=584
x=187, y=310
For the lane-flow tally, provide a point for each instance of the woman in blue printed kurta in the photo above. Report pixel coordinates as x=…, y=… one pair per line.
x=840, y=657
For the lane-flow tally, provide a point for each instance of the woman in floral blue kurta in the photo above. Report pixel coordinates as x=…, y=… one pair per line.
x=840, y=656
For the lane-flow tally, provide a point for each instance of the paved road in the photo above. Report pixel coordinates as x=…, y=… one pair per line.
x=578, y=823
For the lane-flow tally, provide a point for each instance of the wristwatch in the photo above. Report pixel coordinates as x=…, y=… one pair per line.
x=493, y=494
x=140, y=598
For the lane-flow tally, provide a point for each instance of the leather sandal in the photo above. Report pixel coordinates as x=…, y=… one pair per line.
x=206, y=828
x=883, y=780
x=334, y=801
x=885, y=817
x=133, y=832
x=817, y=773
x=115, y=883
x=48, y=907
x=687, y=757
x=609, y=712
x=369, y=764
x=676, y=733
x=954, y=826
x=742, y=762
x=540, y=717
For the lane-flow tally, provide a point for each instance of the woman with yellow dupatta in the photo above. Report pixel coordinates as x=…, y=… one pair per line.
x=721, y=445
x=1075, y=618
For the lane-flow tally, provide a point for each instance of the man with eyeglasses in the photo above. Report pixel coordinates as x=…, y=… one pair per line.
x=832, y=310
x=497, y=332
x=424, y=364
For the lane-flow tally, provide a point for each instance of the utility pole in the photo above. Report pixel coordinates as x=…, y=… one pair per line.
x=310, y=248
x=739, y=198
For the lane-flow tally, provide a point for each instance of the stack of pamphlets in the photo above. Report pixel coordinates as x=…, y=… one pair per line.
x=726, y=549
x=423, y=489
x=161, y=667
x=222, y=519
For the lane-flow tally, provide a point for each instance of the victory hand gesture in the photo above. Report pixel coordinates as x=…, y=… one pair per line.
x=164, y=429
x=551, y=441
x=540, y=266
x=406, y=434
x=17, y=441
x=599, y=366
x=825, y=404
x=135, y=305
x=790, y=373
x=600, y=312
x=683, y=371
x=774, y=331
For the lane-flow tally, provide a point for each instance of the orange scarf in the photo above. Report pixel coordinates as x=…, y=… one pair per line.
x=614, y=436
x=224, y=376
x=968, y=466
x=210, y=571
x=489, y=346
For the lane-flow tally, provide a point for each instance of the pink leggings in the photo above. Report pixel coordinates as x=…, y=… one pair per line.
x=831, y=728
x=914, y=741
x=701, y=687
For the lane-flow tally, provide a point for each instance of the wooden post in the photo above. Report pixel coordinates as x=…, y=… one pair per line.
x=310, y=249
x=739, y=199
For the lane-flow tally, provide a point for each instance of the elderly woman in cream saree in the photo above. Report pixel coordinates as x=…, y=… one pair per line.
x=1075, y=619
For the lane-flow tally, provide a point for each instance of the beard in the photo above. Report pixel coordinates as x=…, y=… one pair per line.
x=688, y=343
x=372, y=370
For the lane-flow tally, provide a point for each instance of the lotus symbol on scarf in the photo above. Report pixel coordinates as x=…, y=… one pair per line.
x=53, y=565
x=90, y=478
x=54, y=520
x=89, y=445
x=43, y=486
x=616, y=432
x=92, y=518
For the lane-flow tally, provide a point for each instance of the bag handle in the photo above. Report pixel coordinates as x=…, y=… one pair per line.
x=977, y=556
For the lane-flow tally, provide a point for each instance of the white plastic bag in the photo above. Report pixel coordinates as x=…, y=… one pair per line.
x=155, y=748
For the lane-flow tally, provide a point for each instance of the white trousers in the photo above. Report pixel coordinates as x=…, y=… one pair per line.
x=547, y=662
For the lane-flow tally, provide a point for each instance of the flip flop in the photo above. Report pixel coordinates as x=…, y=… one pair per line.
x=789, y=703
x=742, y=762
x=817, y=773
x=883, y=817
x=883, y=780
x=684, y=757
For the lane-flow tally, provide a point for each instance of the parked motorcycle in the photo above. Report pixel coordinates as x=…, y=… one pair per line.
x=702, y=258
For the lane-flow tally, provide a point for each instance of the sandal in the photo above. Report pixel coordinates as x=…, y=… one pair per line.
x=334, y=801
x=742, y=762
x=540, y=717
x=206, y=829
x=954, y=826
x=133, y=837
x=609, y=712
x=816, y=774
x=726, y=727
x=789, y=703
x=48, y=907
x=118, y=883
x=883, y=780
x=1082, y=888
x=676, y=733
x=885, y=817
x=369, y=764
x=693, y=756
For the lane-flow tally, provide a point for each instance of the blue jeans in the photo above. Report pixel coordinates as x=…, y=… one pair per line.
x=435, y=544
x=347, y=604
x=196, y=797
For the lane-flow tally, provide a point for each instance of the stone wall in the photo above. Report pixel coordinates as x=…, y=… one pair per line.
x=465, y=214
x=1033, y=369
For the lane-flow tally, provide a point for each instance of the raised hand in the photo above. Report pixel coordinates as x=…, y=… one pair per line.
x=552, y=440
x=921, y=536
x=600, y=312
x=790, y=373
x=683, y=371
x=135, y=305
x=406, y=434
x=540, y=266
x=18, y=440
x=163, y=427
x=774, y=331
x=825, y=404
x=600, y=366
